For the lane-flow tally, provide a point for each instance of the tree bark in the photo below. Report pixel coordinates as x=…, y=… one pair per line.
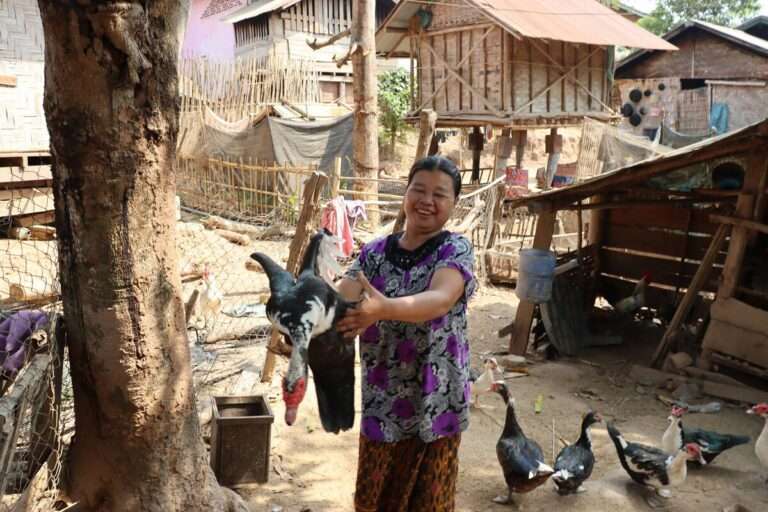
x=112, y=108
x=366, y=144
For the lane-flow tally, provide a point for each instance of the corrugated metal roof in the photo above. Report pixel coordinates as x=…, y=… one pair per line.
x=640, y=172
x=575, y=21
x=257, y=8
x=731, y=34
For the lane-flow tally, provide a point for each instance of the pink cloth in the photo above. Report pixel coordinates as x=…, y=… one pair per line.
x=336, y=221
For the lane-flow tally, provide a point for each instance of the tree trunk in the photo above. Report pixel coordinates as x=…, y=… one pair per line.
x=366, y=144
x=112, y=108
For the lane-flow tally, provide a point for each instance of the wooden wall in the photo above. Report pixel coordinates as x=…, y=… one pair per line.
x=508, y=73
x=637, y=240
x=700, y=55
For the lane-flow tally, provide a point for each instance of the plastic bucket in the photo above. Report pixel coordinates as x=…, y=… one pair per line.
x=534, y=277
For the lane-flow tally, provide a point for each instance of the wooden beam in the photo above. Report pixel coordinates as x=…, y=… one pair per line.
x=7, y=81
x=744, y=223
x=697, y=283
x=518, y=344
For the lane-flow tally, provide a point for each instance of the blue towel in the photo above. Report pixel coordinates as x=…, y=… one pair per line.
x=718, y=117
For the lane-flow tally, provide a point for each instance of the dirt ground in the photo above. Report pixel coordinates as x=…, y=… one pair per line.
x=312, y=470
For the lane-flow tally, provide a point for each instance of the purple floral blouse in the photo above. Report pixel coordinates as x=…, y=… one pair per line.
x=415, y=376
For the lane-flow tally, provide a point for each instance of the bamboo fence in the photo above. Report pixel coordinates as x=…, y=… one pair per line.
x=236, y=89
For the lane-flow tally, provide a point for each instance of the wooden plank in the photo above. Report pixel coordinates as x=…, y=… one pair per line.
x=545, y=227
x=665, y=217
x=697, y=284
x=736, y=341
x=744, y=223
x=670, y=272
x=452, y=88
x=8, y=81
x=649, y=376
x=657, y=240
x=25, y=221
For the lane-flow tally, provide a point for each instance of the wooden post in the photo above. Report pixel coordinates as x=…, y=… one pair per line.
x=519, y=139
x=697, y=283
x=476, y=142
x=335, y=180
x=554, y=144
x=310, y=207
x=503, y=152
x=366, y=140
x=518, y=344
x=427, y=125
x=745, y=206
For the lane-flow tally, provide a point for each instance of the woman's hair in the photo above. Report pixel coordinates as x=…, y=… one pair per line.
x=438, y=163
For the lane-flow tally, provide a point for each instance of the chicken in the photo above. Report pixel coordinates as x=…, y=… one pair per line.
x=521, y=459
x=635, y=301
x=306, y=310
x=712, y=444
x=574, y=463
x=761, y=445
x=209, y=302
x=483, y=382
x=649, y=466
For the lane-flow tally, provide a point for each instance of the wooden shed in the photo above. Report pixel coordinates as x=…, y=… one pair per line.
x=510, y=63
x=696, y=220
x=714, y=65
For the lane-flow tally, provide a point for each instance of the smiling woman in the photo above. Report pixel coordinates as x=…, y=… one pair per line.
x=414, y=349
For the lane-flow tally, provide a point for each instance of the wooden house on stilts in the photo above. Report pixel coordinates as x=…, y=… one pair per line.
x=510, y=64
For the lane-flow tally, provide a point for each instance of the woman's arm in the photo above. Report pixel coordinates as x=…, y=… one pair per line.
x=349, y=289
x=446, y=289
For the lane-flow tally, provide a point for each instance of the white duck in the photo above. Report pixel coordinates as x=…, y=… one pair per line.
x=761, y=445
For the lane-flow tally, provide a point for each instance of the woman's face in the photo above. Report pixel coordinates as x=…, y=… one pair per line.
x=429, y=201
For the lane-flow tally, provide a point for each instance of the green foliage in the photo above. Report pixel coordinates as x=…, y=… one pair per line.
x=669, y=13
x=394, y=101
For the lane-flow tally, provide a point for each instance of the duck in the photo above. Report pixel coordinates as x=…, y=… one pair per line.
x=574, y=463
x=521, y=458
x=761, y=445
x=652, y=467
x=305, y=310
x=483, y=382
x=711, y=443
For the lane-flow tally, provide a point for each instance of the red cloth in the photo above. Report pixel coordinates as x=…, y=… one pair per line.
x=336, y=221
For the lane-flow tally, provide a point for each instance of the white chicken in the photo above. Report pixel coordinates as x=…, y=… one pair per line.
x=210, y=301
x=483, y=382
x=635, y=301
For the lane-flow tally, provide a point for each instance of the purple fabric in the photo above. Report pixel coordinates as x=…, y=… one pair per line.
x=416, y=376
x=14, y=331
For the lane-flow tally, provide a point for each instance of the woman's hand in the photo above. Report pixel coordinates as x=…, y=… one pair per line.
x=370, y=310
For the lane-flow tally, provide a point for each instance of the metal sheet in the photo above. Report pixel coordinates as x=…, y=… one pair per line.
x=575, y=21
x=257, y=8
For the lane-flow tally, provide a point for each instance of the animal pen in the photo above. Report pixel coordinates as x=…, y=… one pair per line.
x=695, y=220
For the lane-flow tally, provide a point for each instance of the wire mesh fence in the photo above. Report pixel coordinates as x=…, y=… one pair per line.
x=35, y=394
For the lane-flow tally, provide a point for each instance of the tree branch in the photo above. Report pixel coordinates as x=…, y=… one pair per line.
x=341, y=35
x=354, y=47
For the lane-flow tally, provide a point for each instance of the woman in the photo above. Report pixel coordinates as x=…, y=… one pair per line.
x=414, y=350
